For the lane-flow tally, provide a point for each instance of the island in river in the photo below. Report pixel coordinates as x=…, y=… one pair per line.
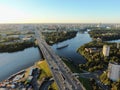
x=105, y=34
x=16, y=46
x=58, y=36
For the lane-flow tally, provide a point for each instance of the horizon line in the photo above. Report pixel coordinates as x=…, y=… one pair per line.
x=63, y=23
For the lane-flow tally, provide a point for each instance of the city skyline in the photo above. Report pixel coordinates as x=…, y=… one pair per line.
x=59, y=11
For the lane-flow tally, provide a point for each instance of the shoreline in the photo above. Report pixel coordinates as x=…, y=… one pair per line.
x=17, y=61
x=14, y=74
x=19, y=46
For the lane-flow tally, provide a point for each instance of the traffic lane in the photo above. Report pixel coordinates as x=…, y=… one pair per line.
x=63, y=70
x=95, y=78
x=55, y=60
x=58, y=80
x=50, y=53
x=35, y=75
x=46, y=84
x=54, y=73
x=68, y=80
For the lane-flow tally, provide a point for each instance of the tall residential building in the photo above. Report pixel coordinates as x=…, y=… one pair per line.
x=106, y=50
x=114, y=71
x=118, y=45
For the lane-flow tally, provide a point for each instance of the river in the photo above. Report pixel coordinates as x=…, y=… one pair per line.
x=74, y=43
x=11, y=63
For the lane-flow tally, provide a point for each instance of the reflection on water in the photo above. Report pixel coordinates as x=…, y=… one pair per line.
x=11, y=63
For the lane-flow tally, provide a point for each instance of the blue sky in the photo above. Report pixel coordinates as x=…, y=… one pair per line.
x=59, y=11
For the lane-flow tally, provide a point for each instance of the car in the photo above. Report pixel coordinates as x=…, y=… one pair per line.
x=71, y=86
x=51, y=67
x=51, y=79
x=56, y=69
x=78, y=82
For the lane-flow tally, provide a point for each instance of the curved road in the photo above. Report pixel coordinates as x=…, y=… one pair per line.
x=46, y=84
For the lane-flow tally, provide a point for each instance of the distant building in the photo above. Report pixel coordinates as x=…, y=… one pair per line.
x=29, y=78
x=114, y=71
x=118, y=44
x=99, y=25
x=106, y=50
x=92, y=50
x=3, y=35
x=108, y=27
x=26, y=39
x=31, y=71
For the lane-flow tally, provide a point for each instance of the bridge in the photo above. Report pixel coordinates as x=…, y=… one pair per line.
x=61, y=73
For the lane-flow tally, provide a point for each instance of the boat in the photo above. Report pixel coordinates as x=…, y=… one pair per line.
x=62, y=46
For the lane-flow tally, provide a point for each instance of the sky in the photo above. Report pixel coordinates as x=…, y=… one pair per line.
x=59, y=11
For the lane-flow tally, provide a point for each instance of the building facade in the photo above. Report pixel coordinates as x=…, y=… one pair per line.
x=118, y=45
x=106, y=50
x=114, y=71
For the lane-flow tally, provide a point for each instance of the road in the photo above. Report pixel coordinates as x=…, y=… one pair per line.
x=94, y=76
x=46, y=84
x=36, y=73
x=61, y=73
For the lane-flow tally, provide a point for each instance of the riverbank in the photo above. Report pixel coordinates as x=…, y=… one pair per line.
x=56, y=37
x=21, y=79
x=105, y=34
x=70, y=51
x=46, y=73
x=15, y=61
x=26, y=76
x=75, y=69
x=16, y=46
x=92, y=51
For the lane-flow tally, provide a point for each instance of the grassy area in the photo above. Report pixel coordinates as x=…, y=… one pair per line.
x=53, y=86
x=45, y=72
x=86, y=83
x=73, y=68
x=54, y=37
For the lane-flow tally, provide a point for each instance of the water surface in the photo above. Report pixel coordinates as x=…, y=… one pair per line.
x=74, y=44
x=11, y=63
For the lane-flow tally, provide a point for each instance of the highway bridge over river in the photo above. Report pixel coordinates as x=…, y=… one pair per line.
x=61, y=73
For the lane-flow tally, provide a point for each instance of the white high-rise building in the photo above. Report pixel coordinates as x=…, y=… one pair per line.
x=106, y=50
x=114, y=71
x=118, y=45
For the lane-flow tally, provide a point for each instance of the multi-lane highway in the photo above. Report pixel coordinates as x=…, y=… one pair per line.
x=61, y=73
